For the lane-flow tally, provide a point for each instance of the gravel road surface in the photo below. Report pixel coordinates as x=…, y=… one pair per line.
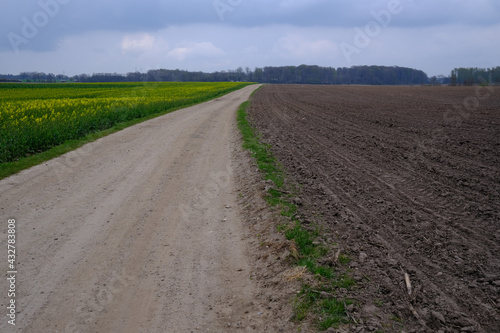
x=137, y=232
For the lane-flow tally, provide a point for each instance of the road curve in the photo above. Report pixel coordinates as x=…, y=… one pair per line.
x=136, y=232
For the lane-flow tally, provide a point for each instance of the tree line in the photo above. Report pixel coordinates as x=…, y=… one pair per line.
x=469, y=77
x=371, y=75
x=304, y=74
x=475, y=76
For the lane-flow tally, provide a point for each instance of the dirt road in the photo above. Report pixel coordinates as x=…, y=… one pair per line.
x=137, y=232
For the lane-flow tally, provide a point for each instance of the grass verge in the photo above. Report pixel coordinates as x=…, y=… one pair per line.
x=318, y=300
x=10, y=168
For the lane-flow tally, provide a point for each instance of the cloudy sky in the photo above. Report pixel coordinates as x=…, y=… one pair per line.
x=91, y=36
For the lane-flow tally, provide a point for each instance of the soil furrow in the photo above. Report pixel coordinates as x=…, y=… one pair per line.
x=375, y=173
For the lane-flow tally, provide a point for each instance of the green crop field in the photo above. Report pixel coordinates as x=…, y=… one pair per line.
x=37, y=117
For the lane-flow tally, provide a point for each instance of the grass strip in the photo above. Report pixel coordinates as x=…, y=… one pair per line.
x=317, y=301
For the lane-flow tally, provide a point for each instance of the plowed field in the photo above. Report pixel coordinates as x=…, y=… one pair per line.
x=405, y=180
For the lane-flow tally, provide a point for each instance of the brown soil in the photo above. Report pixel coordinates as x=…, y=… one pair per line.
x=404, y=180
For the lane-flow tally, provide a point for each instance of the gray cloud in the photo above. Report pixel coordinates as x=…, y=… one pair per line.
x=78, y=16
x=222, y=34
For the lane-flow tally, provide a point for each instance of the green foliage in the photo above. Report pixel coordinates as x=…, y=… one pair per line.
x=331, y=312
x=264, y=158
x=314, y=268
x=344, y=259
x=303, y=303
x=475, y=76
x=303, y=239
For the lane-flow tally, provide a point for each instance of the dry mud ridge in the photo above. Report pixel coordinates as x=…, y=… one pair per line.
x=141, y=231
x=403, y=180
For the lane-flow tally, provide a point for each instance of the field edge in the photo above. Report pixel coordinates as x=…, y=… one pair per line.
x=316, y=303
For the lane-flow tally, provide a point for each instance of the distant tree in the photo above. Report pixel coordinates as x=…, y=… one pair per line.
x=62, y=78
x=50, y=78
x=39, y=77
x=453, y=80
x=495, y=75
x=135, y=77
x=258, y=75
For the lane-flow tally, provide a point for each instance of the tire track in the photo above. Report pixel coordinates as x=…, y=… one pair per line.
x=404, y=215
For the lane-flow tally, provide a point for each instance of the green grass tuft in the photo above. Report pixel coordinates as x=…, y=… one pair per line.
x=333, y=313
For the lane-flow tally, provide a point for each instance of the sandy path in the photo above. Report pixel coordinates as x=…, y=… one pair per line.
x=137, y=232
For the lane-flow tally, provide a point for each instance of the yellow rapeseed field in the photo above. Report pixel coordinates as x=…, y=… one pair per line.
x=36, y=117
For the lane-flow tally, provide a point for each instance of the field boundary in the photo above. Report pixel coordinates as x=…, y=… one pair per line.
x=8, y=169
x=316, y=301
